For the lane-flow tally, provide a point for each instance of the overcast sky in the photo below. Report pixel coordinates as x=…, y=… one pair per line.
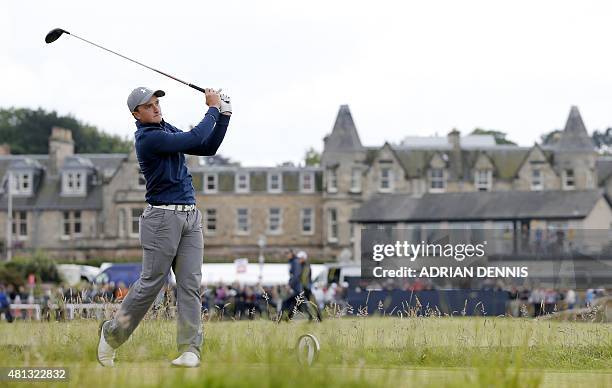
x=404, y=68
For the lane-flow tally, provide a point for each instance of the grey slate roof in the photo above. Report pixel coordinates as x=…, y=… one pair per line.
x=47, y=195
x=506, y=161
x=344, y=136
x=478, y=206
x=575, y=137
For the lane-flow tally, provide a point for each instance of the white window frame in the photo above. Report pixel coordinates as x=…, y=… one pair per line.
x=389, y=179
x=275, y=190
x=433, y=179
x=311, y=178
x=279, y=220
x=71, y=223
x=332, y=180
x=135, y=220
x=17, y=222
x=566, y=179
x=215, y=181
x=356, y=180
x=312, y=221
x=22, y=183
x=74, y=182
x=248, y=222
x=207, y=221
x=537, y=185
x=247, y=183
x=487, y=183
x=332, y=225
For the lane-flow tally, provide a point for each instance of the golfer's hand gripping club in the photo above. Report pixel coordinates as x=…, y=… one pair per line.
x=212, y=98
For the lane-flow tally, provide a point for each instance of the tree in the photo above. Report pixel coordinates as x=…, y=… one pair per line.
x=551, y=137
x=27, y=131
x=312, y=157
x=500, y=137
x=603, y=140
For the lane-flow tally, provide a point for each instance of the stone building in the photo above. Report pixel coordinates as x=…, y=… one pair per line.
x=88, y=205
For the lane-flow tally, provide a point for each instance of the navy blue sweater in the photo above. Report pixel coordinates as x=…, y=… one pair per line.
x=160, y=149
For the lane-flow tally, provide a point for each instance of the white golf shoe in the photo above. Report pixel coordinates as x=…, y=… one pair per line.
x=106, y=353
x=187, y=360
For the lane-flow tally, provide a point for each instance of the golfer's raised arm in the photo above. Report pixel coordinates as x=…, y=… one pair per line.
x=212, y=142
x=164, y=142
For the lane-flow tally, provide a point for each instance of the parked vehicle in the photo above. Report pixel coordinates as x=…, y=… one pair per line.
x=73, y=274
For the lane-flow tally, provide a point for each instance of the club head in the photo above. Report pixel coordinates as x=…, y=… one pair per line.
x=54, y=34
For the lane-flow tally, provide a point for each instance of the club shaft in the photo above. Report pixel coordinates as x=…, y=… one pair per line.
x=139, y=63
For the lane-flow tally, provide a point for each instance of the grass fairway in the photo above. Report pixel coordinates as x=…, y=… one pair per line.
x=355, y=352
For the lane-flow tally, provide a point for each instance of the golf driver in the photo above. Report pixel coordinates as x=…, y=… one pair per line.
x=54, y=35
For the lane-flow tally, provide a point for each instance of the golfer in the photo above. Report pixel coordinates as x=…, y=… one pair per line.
x=171, y=225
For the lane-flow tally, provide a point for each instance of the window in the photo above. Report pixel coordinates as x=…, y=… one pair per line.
x=210, y=222
x=135, y=222
x=568, y=179
x=22, y=183
x=142, y=182
x=211, y=183
x=275, y=220
x=437, y=182
x=536, y=179
x=307, y=220
x=71, y=224
x=307, y=182
x=242, y=221
x=385, y=184
x=483, y=180
x=73, y=183
x=332, y=181
x=242, y=182
x=274, y=182
x=20, y=225
x=356, y=180
x=332, y=225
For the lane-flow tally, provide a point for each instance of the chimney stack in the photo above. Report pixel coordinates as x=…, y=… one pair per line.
x=61, y=145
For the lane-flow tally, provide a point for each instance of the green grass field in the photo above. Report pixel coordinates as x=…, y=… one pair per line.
x=355, y=352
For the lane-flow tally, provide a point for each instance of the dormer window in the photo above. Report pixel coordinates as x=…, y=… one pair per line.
x=332, y=180
x=242, y=182
x=22, y=183
x=385, y=182
x=536, y=180
x=355, y=180
x=307, y=182
x=74, y=183
x=211, y=181
x=483, y=180
x=569, y=182
x=437, y=180
x=274, y=182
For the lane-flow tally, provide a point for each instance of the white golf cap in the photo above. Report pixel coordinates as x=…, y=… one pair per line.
x=302, y=255
x=142, y=95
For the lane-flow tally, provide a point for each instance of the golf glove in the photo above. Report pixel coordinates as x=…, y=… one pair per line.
x=226, y=104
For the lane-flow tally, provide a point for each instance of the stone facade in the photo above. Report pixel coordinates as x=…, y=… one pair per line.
x=291, y=207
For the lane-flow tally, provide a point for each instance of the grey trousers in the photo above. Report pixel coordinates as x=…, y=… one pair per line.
x=168, y=238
